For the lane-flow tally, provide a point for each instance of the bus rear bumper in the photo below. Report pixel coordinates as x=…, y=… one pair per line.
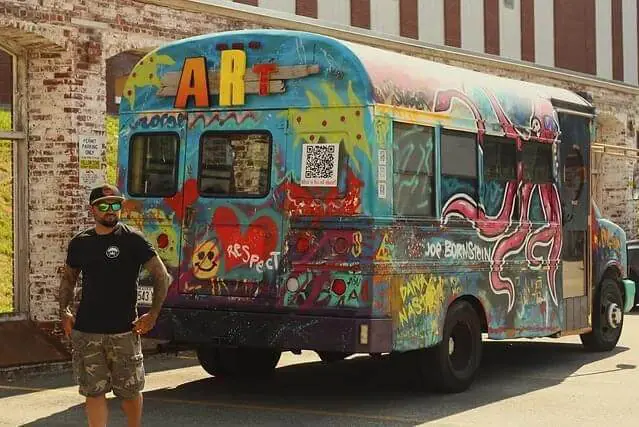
x=193, y=327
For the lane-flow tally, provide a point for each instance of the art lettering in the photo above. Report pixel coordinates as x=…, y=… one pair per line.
x=456, y=251
x=231, y=81
x=243, y=253
x=421, y=295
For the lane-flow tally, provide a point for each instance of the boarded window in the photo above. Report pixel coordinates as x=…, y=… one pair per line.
x=153, y=165
x=235, y=165
x=413, y=165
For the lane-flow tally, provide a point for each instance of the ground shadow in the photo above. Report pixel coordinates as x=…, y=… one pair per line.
x=18, y=384
x=382, y=390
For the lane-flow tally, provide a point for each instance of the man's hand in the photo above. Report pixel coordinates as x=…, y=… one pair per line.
x=145, y=323
x=68, y=320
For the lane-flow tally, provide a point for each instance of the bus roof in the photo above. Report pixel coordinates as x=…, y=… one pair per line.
x=314, y=70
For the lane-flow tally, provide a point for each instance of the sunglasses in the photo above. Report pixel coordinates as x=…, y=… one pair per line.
x=104, y=207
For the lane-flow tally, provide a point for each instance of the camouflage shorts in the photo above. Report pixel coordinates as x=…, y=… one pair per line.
x=108, y=362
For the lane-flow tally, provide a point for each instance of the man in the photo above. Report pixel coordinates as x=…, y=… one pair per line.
x=105, y=335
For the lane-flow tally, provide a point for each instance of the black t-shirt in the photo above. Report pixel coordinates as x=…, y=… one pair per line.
x=110, y=265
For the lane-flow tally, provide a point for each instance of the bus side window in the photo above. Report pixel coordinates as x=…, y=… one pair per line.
x=413, y=165
x=458, y=164
x=153, y=164
x=538, y=169
x=499, y=167
x=538, y=163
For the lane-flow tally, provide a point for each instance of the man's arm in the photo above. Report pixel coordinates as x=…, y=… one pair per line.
x=67, y=287
x=161, y=282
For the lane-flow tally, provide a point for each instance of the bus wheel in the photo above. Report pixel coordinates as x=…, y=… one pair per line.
x=453, y=363
x=209, y=360
x=238, y=362
x=607, y=318
x=332, y=356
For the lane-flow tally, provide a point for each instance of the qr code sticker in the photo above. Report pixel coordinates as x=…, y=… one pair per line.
x=319, y=165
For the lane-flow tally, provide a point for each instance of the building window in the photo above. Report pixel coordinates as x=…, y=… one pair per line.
x=235, y=165
x=7, y=174
x=413, y=165
x=153, y=165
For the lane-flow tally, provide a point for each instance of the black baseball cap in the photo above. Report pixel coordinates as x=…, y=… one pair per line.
x=104, y=192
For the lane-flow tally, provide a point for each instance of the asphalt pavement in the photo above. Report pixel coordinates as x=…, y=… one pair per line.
x=543, y=382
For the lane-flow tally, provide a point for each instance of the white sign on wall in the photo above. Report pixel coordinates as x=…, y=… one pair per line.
x=90, y=149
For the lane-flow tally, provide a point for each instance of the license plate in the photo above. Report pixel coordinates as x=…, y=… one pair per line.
x=145, y=295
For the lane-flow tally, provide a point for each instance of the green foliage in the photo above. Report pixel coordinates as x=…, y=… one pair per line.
x=5, y=120
x=6, y=217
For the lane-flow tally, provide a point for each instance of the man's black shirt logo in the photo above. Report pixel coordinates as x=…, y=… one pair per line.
x=112, y=252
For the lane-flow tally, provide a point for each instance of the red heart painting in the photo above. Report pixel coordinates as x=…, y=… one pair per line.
x=258, y=239
x=183, y=199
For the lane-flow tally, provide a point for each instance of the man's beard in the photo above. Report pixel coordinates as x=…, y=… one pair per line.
x=110, y=221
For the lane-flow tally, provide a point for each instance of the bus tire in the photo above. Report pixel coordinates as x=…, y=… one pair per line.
x=607, y=318
x=332, y=356
x=453, y=363
x=209, y=360
x=231, y=362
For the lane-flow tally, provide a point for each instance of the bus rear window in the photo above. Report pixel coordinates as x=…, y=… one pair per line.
x=153, y=165
x=235, y=165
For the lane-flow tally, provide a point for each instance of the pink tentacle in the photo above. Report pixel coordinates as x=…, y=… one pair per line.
x=488, y=226
x=509, y=245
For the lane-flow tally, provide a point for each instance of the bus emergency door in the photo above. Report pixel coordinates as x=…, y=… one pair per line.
x=232, y=227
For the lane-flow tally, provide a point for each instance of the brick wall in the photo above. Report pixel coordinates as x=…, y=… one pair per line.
x=66, y=98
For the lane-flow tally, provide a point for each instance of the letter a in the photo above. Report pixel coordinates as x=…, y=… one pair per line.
x=232, y=72
x=193, y=82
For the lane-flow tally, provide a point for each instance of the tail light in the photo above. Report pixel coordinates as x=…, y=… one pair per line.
x=338, y=287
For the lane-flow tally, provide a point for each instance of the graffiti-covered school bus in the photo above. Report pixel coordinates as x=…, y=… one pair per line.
x=308, y=193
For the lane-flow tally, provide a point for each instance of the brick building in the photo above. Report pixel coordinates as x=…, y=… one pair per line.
x=63, y=64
